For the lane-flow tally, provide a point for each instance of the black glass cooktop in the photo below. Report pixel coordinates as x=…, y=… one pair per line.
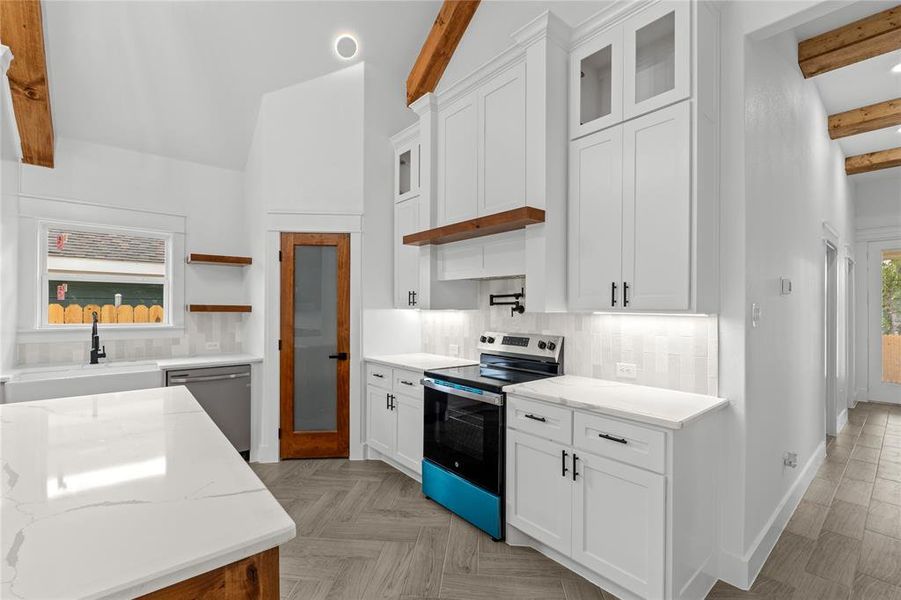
x=486, y=376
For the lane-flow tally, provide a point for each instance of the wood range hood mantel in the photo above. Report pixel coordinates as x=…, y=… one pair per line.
x=509, y=220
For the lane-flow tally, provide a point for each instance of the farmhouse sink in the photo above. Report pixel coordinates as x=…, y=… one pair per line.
x=42, y=383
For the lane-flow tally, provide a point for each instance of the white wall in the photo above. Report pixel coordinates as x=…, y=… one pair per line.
x=93, y=179
x=878, y=202
x=305, y=173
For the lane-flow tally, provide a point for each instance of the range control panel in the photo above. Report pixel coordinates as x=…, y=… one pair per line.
x=540, y=345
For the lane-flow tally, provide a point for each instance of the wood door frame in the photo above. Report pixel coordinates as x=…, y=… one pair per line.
x=313, y=444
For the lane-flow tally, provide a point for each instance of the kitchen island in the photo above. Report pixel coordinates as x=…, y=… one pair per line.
x=128, y=494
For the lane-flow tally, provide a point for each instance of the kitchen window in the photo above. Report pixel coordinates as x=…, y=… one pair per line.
x=123, y=275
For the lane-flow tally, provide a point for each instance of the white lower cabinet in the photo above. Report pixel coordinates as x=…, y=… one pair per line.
x=408, y=450
x=539, y=489
x=619, y=523
x=394, y=415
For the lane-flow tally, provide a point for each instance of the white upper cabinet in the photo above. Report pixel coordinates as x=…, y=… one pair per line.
x=458, y=161
x=657, y=210
x=657, y=57
x=595, y=94
x=482, y=149
x=596, y=221
x=502, y=142
x=406, y=258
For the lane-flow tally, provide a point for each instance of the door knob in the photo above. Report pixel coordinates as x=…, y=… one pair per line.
x=339, y=356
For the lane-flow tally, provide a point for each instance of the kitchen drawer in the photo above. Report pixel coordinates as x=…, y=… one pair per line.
x=624, y=442
x=544, y=420
x=407, y=382
x=379, y=375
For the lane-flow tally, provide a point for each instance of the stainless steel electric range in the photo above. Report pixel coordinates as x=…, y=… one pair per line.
x=464, y=441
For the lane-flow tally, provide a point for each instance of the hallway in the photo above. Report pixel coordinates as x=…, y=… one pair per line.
x=844, y=539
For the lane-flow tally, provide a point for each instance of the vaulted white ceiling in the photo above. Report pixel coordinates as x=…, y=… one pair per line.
x=184, y=79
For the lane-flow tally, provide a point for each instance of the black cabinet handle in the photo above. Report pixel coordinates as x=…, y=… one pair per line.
x=612, y=438
x=534, y=418
x=625, y=294
x=575, y=473
x=409, y=298
x=379, y=375
x=393, y=398
x=405, y=382
x=563, y=463
x=413, y=293
x=388, y=401
x=339, y=356
x=612, y=293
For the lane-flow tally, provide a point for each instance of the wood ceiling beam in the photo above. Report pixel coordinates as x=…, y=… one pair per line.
x=439, y=46
x=21, y=29
x=868, y=118
x=873, y=161
x=863, y=39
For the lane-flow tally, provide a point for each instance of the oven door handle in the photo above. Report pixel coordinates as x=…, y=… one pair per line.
x=485, y=396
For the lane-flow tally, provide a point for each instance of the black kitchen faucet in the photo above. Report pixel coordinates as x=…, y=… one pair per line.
x=96, y=352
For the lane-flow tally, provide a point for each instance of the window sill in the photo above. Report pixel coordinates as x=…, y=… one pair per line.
x=75, y=333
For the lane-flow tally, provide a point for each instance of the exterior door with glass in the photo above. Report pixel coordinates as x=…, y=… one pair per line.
x=884, y=309
x=315, y=338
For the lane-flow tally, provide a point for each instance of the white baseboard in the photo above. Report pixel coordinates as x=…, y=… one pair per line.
x=742, y=571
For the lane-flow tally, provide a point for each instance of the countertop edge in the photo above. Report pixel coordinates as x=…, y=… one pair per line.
x=388, y=363
x=638, y=417
x=206, y=564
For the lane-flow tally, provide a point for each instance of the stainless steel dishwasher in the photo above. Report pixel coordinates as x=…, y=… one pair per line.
x=224, y=393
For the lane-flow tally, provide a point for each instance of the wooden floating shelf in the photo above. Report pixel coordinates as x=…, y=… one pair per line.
x=219, y=259
x=509, y=220
x=221, y=308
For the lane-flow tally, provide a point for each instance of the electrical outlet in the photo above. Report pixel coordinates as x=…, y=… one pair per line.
x=453, y=350
x=627, y=370
x=790, y=459
x=212, y=345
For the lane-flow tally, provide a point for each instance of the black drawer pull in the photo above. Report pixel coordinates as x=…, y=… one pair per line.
x=405, y=382
x=379, y=375
x=534, y=418
x=613, y=438
x=613, y=293
x=563, y=462
x=575, y=473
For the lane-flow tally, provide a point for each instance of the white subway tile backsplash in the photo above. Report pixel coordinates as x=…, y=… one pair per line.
x=676, y=352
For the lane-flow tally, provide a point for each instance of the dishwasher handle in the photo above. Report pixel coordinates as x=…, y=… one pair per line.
x=189, y=379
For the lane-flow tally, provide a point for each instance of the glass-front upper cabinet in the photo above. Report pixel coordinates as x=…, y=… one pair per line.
x=656, y=58
x=596, y=79
x=406, y=163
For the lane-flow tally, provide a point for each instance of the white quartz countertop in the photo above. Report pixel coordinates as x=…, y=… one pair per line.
x=209, y=360
x=421, y=361
x=655, y=406
x=117, y=495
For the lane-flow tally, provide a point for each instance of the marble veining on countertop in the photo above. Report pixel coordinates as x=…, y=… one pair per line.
x=421, y=361
x=655, y=406
x=116, y=495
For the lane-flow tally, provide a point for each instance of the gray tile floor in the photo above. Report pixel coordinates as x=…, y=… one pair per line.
x=844, y=539
x=365, y=531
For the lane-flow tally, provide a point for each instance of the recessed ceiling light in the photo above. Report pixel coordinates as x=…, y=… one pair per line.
x=897, y=68
x=346, y=46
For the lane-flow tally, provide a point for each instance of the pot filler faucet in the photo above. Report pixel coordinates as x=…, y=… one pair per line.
x=96, y=352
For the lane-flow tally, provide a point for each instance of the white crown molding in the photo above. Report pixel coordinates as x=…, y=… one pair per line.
x=424, y=104
x=604, y=19
x=878, y=234
x=405, y=135
x=547, y=25
x=506, y=59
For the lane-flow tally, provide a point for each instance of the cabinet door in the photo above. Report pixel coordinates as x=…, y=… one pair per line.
x=596, y=221
x=619, y=530
x=657, y=210
x=657, y=58
x=539, y=490
x=406, y=171
x=502, y=142
x=596, y=84
x=380, y=421
x=406, y=258
x=408, y=451
x=458, y=148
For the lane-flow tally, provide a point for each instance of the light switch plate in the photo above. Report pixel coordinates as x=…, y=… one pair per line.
x=212, y=345
x=627, y=370
x=786, y=285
